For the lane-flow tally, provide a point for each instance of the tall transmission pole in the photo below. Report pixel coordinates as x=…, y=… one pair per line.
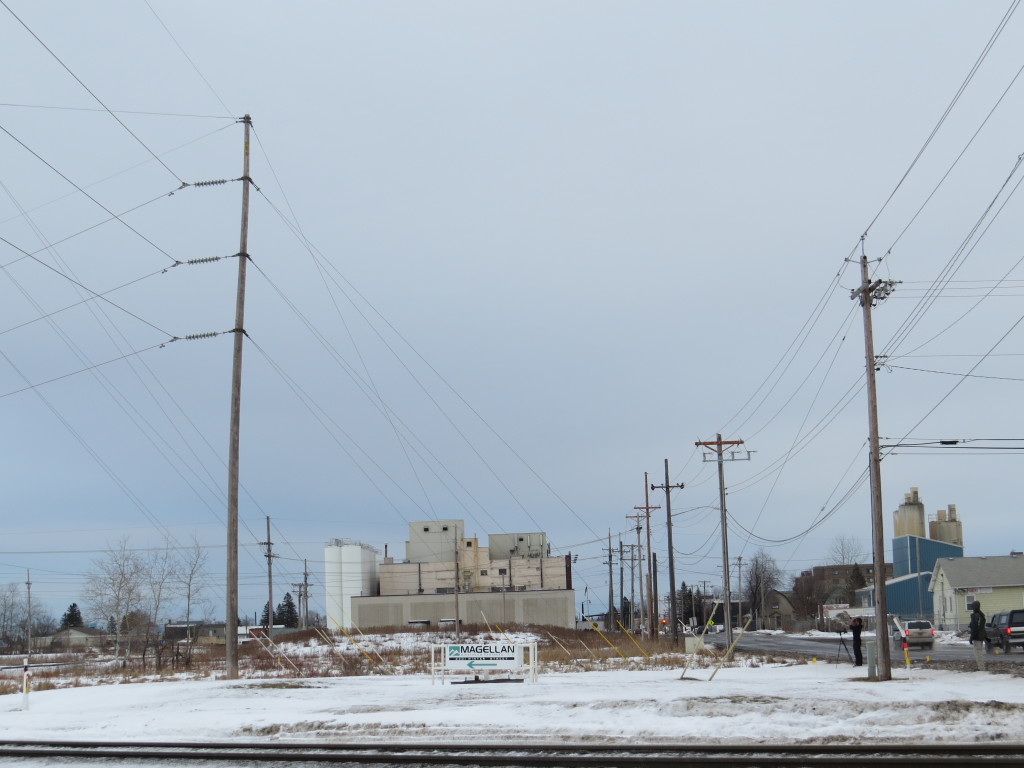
x=673, y=611
x=652, y=599
x=718, y=446
x=869, y=294
x=231, y=609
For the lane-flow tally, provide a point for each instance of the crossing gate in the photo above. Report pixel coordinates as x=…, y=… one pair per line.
x=483, y=659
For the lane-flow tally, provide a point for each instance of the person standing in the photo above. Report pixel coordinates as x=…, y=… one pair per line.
x=856, y=625
x=977, y=634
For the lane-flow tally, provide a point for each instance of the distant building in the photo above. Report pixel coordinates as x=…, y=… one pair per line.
x=513, y=579
x=73, y=637
x=831, y=585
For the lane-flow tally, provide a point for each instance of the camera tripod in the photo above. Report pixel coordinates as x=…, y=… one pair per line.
x=842, y=647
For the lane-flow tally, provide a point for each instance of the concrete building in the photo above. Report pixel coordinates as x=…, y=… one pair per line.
x=513, y=579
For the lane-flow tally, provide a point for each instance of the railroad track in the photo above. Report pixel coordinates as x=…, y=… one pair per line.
x=514, y=755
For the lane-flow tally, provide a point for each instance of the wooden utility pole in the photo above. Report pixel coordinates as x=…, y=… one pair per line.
x=231, y=609
x=739, y=586
x=270, y=580
x=652, y=602
x=673, y=611
x=303, y=591
x=718, y=446
x=28, y=628
x=458, y=621
x=622, y=586
x=654, y=587
x=868, y=294
x=640, y=573
x=611, y=585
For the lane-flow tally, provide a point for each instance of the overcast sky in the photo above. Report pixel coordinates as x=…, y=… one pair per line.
x=506, y=258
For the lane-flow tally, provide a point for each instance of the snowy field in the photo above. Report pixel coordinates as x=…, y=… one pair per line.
x=798, y=702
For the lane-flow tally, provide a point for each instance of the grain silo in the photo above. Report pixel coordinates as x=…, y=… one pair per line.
x=908, y=520
x=947, y=527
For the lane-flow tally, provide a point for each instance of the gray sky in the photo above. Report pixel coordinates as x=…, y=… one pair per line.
x=507, y=257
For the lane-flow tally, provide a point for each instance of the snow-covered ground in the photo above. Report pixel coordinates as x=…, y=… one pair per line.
x=798, y=702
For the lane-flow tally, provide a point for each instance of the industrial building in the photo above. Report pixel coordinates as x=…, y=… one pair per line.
x=445, y=576
x=914, y=555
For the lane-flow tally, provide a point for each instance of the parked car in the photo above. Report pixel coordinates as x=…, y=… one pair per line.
x=1005, y=630
x=918, y=632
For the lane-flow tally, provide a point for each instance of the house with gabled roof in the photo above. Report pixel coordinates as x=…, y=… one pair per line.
x=996, y=582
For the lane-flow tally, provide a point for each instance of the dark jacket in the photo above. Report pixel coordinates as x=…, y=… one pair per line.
x=977, y=625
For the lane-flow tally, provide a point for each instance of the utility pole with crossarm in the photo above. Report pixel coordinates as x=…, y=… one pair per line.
x=672, y=610
x=718, y=447
x=869, y=294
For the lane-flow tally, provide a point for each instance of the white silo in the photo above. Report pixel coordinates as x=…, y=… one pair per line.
x=350, y=570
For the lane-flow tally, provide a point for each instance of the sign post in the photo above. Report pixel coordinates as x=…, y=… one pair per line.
x=24, y=686
x=483, y=657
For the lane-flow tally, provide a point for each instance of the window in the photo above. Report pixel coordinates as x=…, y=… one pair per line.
x=469, y=545
x=426, y=529
x=502, y=571
x=444, y=527
x=445, y=591
x=521, y=538
x=483, y=572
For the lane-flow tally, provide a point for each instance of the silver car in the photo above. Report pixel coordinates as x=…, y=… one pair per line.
x=919, y=632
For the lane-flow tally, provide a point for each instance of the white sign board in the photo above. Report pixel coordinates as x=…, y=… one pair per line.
x=478, y=657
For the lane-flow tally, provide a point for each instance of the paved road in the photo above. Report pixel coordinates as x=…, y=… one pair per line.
x=828, y=647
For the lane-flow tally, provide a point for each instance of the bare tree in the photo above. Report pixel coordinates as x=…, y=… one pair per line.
x=846, y=550
x=13, y=614
x=763, y=575
x=161, y=576
x=114, y=586
x=190, y=577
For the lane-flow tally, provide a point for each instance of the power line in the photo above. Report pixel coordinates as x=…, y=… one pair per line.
x=90, y=92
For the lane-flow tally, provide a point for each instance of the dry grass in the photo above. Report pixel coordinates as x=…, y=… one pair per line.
x=387, y=651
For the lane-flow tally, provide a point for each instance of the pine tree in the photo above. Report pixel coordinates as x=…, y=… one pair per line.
x=286, y=612
x=72, y=617
x=263, y=616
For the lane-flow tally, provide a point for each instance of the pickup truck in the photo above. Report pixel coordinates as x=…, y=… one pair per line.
x=1005, y=630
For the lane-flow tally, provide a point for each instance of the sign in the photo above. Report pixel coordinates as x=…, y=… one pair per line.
x=483, y=656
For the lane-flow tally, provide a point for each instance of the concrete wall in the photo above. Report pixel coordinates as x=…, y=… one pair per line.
x=518, y=545
x=478, y=575
x=548, y=607
x=433, y=541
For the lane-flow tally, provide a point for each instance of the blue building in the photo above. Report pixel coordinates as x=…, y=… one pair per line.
x=914, y=557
